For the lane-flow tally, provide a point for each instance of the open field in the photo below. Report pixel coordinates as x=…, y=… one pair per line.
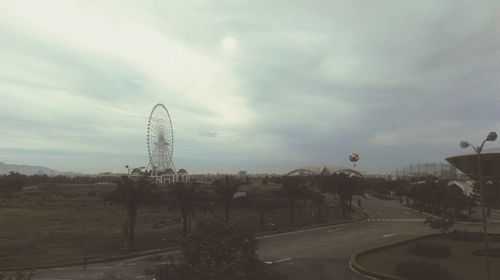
x=462, y=265
x=55, y=224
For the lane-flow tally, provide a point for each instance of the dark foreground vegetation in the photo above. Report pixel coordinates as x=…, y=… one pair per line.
x=217, y=250
x=46, y=223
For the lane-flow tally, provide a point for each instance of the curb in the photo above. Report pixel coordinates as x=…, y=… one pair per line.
x=355, y=266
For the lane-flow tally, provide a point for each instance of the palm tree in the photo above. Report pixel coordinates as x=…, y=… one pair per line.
x=226, y=189
x=131, y=193
x=345, y=190
x=318, y=199
x=292, y=188
x=186, y=197
x=263, y=202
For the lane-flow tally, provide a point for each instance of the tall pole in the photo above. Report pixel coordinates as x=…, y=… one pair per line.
x=492, y=136
x=128, y=211
x=483, y=210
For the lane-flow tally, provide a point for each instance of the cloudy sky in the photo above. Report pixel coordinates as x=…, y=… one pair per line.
x=262, y=86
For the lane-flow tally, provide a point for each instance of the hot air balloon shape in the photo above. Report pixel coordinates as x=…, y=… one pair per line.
x=354, y=157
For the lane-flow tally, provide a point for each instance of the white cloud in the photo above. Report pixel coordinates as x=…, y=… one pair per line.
x=245, y=81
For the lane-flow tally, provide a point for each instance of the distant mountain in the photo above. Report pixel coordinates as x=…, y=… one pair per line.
x=25, y=169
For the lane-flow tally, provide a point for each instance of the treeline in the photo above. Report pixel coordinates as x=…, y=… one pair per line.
x=15, y=181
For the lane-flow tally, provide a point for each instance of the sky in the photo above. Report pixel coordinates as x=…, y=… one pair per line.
x=262, y=86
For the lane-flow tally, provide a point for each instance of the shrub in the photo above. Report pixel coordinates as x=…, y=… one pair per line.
x=465, y=235
x=493, y=253
x=429, y=250
x=416, y=270
x=443, y=224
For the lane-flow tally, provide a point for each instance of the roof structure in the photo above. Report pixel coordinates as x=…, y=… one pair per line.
x=322, y=170
x=467, y=163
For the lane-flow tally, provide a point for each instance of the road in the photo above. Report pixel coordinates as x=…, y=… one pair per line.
x=323, y=253
x=319, y=253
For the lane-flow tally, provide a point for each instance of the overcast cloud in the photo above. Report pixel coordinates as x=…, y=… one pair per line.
x=262, y=86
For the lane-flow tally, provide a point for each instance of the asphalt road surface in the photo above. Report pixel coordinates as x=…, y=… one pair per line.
x=320, y=253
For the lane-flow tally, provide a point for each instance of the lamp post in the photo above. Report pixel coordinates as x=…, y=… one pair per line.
x=492, y=136
x=126, y=203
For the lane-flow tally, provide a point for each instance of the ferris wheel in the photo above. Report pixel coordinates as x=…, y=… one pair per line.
x=160, y=141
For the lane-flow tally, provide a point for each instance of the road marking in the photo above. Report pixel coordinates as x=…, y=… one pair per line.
x=335, y=229
x=394, y=220
x=277, y=261
x=112, y=266
x=298, y=231
x=283, y=260
x=389, y=235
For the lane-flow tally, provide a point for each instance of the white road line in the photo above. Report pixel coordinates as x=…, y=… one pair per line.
x=335, y=229
x=112, y=266
x=389, y=235
x=283, y=260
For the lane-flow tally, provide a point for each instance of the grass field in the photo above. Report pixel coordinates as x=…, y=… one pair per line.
x=462, y=265
x=50, y=225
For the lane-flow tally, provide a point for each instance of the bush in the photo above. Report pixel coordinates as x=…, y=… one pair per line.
x=416, y=270
x=429, y=250
x=493, y=253
x=465, y=235
x=443, y=224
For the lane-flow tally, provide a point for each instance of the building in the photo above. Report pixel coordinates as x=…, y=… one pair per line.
x=467, y=163
x=322, y=170
x=442, y=170
x=170, y=176
x=242, y=174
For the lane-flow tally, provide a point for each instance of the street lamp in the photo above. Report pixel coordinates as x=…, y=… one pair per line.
x=128, y=170
x=492, y=136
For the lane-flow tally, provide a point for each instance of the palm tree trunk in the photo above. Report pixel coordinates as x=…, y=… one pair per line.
x=261, y=219
x=226, y=210
x=131, y=236
x=319, y=211
x=184, y=222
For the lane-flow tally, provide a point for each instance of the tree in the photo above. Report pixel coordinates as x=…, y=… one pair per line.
x=13, y=182
x=263, y=202
x=292, y=188
x=492, y=193
x=443, y=224
x=186, y=197
x=131, y=193
x=218, y=250
x=265, y=180
x=318, y=200
x=345, y=190
x=455, y=201
x=226, y=188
